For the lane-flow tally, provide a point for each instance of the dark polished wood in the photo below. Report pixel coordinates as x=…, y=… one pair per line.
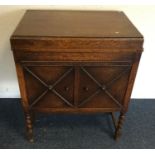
x=47, y=23
x=76, y=62
x=119, y=126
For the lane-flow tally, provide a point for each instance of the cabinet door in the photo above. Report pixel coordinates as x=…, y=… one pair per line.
x=49, y=86
x=103, y=86
x=99, y=85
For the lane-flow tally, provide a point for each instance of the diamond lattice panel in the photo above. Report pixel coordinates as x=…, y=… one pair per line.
x=107, y=86
x=49, y=86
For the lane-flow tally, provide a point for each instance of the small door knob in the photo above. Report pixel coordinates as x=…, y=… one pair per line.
x=50, y=87
x=66, y=88
x=86, y=88
x=103, y=87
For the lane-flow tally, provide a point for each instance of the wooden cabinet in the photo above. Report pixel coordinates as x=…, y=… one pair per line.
x=76, y=62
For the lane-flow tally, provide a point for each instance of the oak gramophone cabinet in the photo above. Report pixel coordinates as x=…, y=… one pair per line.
x=76, y=62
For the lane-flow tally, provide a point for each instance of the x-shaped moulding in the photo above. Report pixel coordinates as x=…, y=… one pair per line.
x=49, y=87
x=103, y=87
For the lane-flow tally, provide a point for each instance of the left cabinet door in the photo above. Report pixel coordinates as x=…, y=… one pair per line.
x=49, y=86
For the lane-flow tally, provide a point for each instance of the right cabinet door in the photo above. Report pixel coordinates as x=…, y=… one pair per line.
x=103, y=85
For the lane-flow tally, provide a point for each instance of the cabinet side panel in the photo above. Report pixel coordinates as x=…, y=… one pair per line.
x=131, y=81
x=22, y=86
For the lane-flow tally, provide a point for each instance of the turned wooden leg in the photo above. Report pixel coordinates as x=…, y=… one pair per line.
x=119, y=126
x=29, y=127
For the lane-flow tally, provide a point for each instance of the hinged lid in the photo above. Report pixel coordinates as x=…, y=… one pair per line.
x=72, y=25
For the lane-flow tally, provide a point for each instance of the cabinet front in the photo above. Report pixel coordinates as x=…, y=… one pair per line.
x=56, y=86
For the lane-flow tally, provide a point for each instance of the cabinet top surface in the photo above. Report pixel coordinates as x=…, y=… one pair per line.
x=93, y=24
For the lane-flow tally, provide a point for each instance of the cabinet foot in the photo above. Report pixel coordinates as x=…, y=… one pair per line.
x=29, y=127
x=119, y=126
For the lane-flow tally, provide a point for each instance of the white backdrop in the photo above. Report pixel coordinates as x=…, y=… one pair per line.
x=143, y=18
